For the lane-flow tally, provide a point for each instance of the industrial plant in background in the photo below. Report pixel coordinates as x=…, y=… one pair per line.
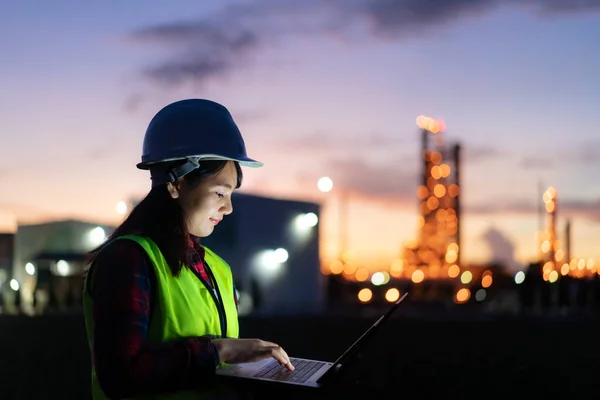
x=558, y=282
x=429, y=266
x=431, y=263
x=555, y=258
x=435, y=254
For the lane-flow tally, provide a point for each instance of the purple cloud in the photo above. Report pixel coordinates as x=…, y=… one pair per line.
x=201, y=50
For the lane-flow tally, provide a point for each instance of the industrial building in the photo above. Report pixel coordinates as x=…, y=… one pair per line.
x=49, y=262
x=271, y=244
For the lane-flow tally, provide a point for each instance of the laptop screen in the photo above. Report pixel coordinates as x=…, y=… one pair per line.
x=362, y=340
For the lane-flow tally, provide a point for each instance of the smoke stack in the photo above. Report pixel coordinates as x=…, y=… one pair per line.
x=568, y=240
x=552, y=201
x=457, y=165
x=424, y=147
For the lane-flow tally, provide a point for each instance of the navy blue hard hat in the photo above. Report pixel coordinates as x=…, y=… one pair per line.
x=196, y=130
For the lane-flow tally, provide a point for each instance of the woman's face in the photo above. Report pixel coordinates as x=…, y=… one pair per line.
x=208, y=202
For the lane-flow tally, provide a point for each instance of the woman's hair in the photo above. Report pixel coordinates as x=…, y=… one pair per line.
x=161, y=218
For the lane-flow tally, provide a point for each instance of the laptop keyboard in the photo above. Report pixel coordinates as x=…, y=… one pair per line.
x=304, y=370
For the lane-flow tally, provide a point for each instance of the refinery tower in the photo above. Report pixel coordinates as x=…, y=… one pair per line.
x=435, y=253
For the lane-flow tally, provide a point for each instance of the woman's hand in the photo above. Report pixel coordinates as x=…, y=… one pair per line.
x=237, y=351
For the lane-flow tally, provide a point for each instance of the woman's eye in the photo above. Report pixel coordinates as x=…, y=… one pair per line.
x=220, y=195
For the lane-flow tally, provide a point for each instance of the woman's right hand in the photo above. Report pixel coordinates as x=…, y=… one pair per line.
x=236, y=351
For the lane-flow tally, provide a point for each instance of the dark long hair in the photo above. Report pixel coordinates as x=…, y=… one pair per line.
x=161, y=218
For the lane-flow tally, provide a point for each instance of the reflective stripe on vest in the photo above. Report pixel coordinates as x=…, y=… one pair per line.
x=184, y=306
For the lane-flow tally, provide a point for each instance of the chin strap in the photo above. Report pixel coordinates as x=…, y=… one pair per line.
x=176, y=173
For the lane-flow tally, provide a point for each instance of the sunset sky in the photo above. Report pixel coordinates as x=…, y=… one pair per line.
x=318, y=87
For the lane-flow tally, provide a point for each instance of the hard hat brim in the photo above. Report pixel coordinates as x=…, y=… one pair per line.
x=243, y=161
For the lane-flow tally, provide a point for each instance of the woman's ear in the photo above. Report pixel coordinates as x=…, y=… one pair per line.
x=174, y=189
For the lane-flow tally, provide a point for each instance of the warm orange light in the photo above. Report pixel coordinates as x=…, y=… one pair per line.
x=418, y=276
x=433, y=203
x=436, y=172
x=573, y=264
x=560, y=254
x=336, y=267
x=392, y=295
x=439, y=190
x=453, y=190
x=453, y=271
x=432, y=125
x=365, y=295
x=445, y=170
x=549, y=195
x=486, y=281
x=545, y=246
x=349, y=269
x=361, y=275
x=451, y=257
x=463, y=295
x=436, y=157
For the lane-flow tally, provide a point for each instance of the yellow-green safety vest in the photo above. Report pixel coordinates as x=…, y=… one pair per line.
x=184, y=307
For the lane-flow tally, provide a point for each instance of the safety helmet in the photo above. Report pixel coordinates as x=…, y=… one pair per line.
x=193, y=130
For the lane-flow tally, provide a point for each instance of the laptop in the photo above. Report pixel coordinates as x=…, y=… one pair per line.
x=307, y=373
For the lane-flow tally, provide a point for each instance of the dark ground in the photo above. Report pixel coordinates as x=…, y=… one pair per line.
x=47, y=357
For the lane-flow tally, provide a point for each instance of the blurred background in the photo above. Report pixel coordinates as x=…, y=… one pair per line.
x=445, y=148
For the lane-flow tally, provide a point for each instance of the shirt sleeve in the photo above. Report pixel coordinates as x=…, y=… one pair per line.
x=126, y=364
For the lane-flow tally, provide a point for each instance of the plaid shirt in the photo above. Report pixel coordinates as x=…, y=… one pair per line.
x=124, y=295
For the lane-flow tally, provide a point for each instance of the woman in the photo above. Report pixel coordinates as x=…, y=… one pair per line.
x=160, y=309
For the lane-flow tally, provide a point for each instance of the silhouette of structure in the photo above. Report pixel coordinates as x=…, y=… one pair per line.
x=436, y=252
x=272, y=246
x=430, y=266
x=556, y=258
